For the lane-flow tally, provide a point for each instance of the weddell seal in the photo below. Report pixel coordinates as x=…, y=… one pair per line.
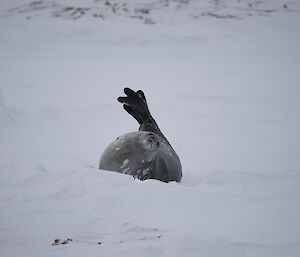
x=144, y=154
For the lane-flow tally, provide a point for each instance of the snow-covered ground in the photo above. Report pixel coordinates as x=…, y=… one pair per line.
x=222, y=81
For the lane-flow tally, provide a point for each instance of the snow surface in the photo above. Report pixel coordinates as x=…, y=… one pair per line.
x=222, y=81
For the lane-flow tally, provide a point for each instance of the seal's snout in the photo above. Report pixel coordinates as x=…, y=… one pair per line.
x=149, y=142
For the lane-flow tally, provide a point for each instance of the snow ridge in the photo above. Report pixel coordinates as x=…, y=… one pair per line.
x=153, y=11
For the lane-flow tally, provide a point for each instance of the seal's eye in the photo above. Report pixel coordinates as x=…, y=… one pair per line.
x=149, y=142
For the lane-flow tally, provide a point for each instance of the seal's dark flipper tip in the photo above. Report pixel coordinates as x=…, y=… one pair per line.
x=135, y=104
x=129, y=92
x=142, y=95
x=124, y=100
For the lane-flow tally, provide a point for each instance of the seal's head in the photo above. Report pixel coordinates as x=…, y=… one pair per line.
x=131, y=153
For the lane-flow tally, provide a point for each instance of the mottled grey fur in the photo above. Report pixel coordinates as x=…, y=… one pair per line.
x=145, y=154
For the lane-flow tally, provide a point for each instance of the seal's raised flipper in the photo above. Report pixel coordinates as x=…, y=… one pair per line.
x=135, y=103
